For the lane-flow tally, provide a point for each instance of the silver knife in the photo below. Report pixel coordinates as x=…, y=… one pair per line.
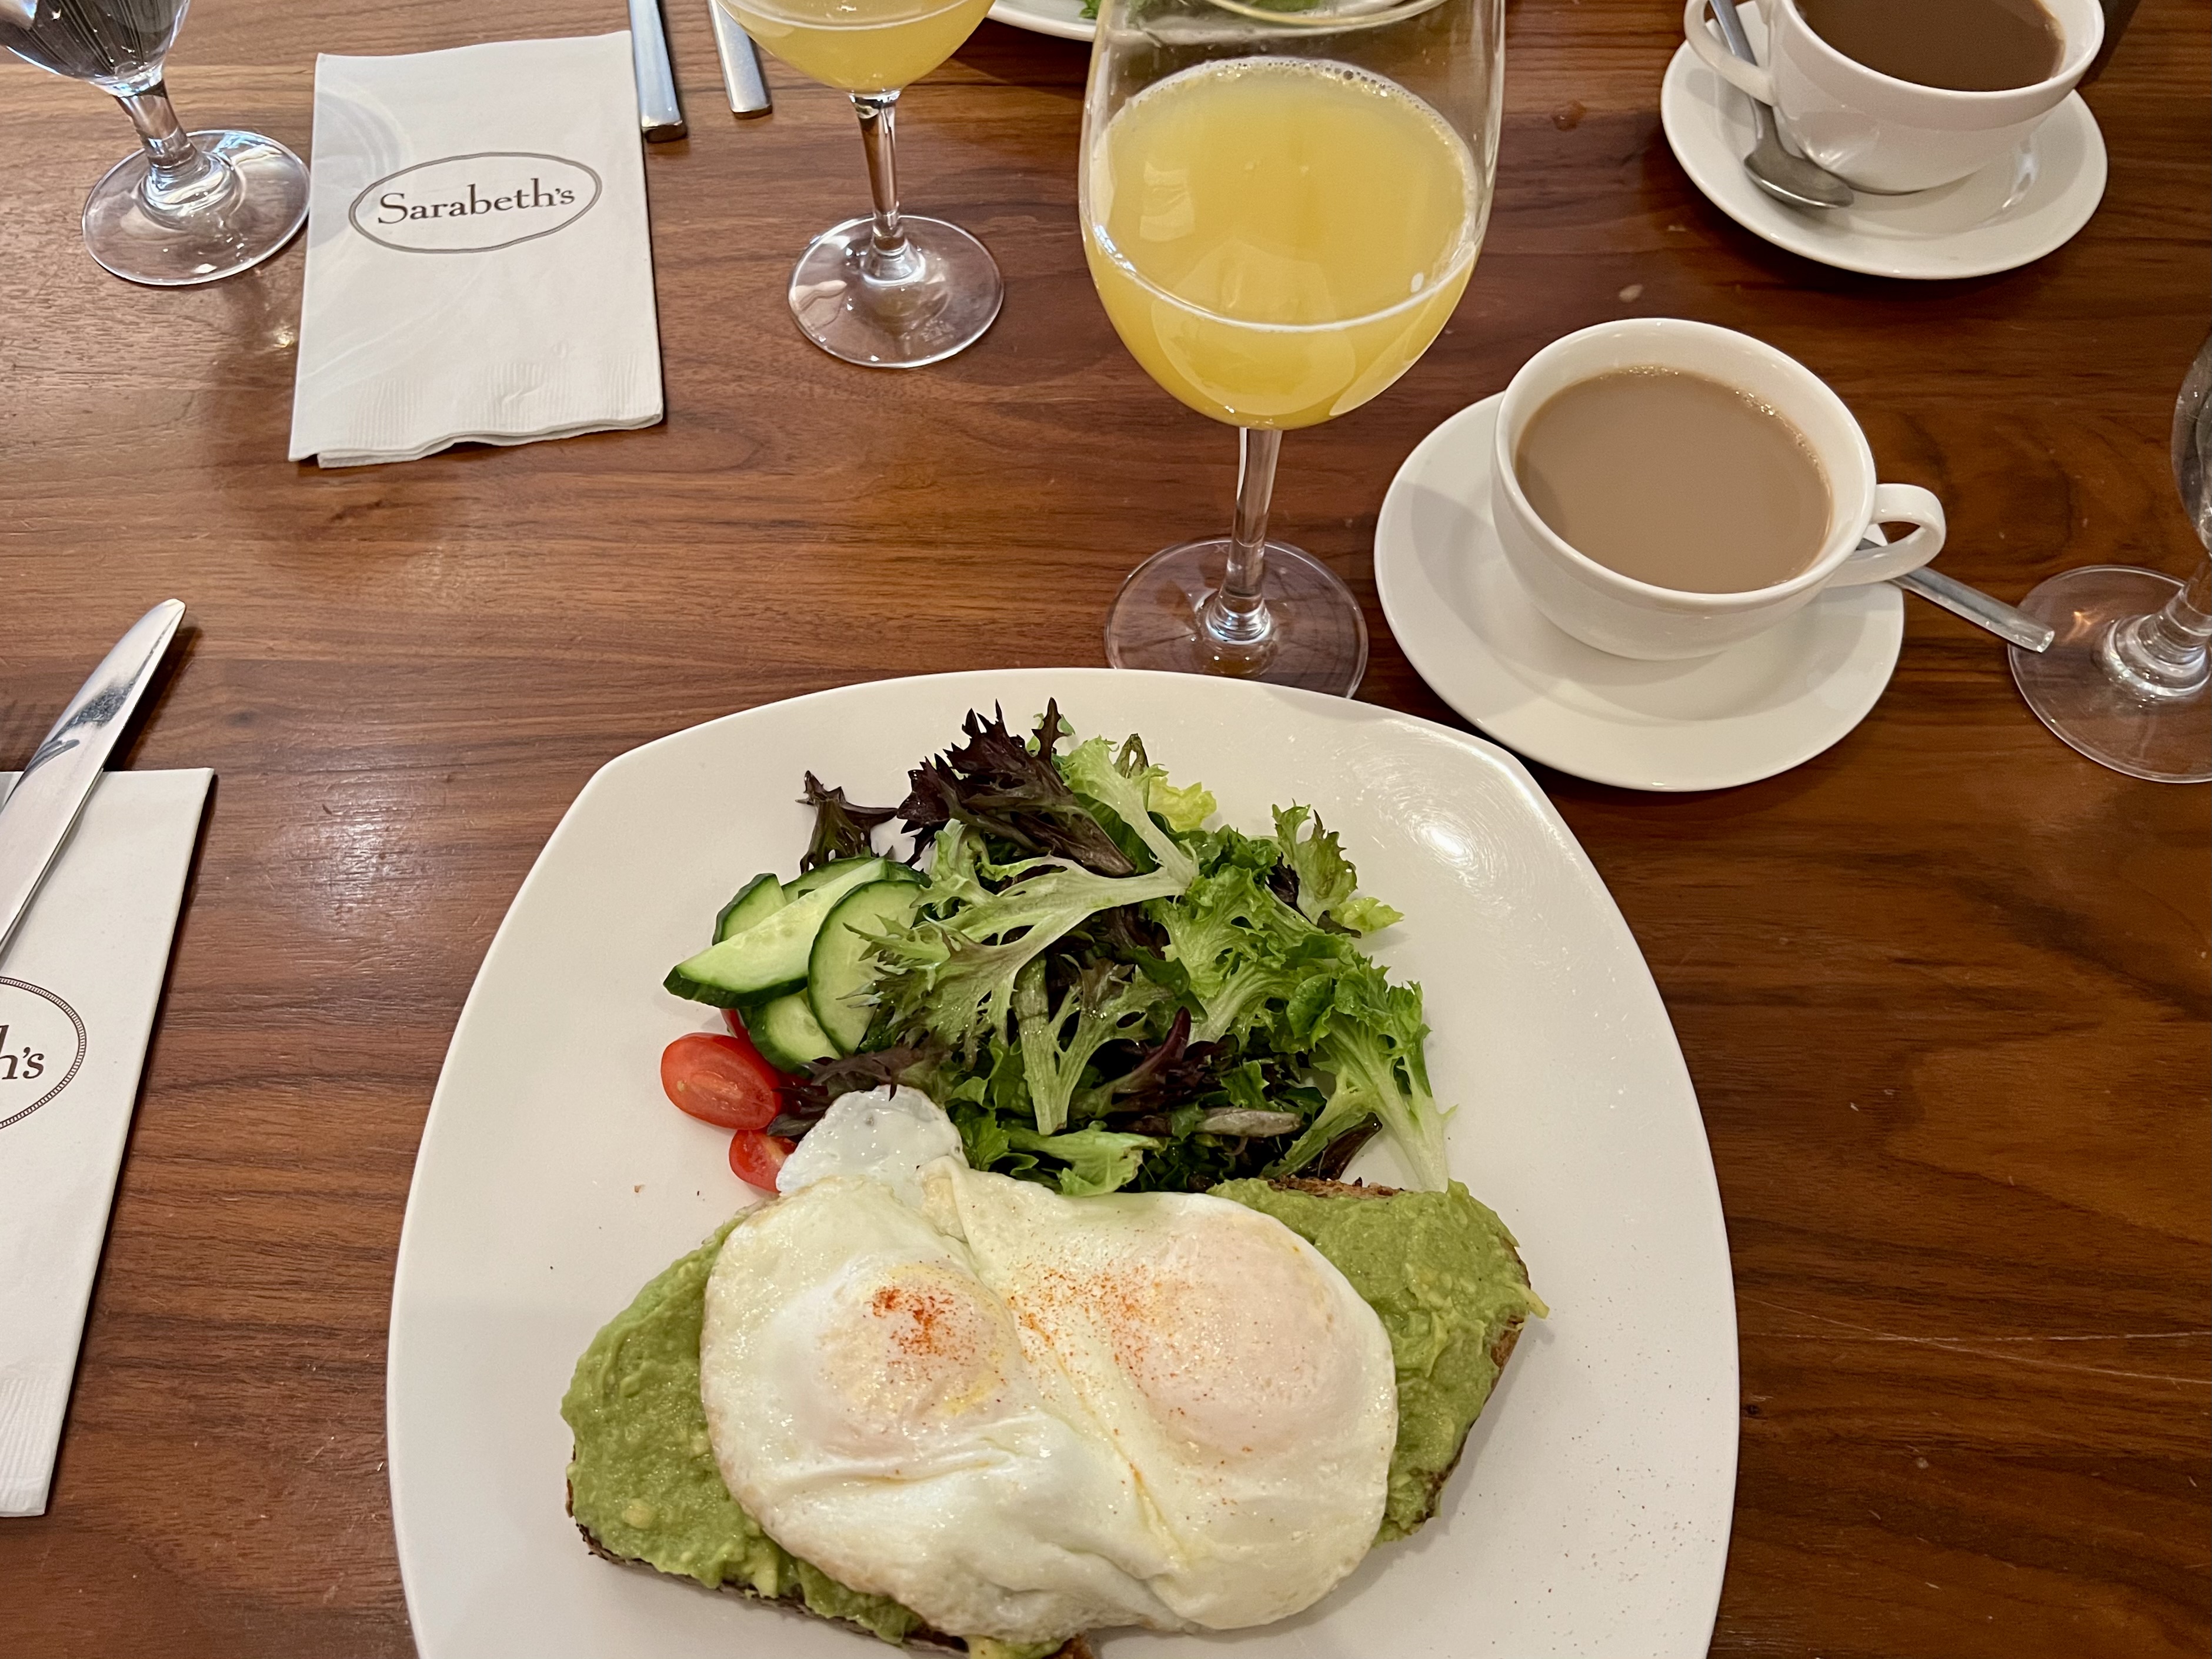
x=741, y=70
x=42, y=808
x=658, y=113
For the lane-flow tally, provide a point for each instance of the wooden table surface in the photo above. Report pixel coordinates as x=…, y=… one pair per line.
x=1943, y=990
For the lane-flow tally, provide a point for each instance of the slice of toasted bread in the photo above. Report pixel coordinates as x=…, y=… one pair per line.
x=1075, y=1648
x=671, y=1303
x=645, y=1361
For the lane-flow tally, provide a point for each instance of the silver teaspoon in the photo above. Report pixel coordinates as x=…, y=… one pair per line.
x=1785, y=177
x=1982, y=610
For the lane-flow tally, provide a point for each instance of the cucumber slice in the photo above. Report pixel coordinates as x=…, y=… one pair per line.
x=757, y=900
x=838, y=972
x=769, y=958
x=807, y=880
x=787, y=1033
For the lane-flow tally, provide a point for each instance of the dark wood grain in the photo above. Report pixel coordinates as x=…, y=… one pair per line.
x=1943, y=990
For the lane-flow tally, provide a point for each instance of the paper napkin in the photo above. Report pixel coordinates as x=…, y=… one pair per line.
x=478, y=261
x=77, y=992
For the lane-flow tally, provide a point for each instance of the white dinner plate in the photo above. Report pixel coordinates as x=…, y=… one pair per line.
x=2013, y=211
x=1469, y=629
x=1063, y=19
x=1590, y=1514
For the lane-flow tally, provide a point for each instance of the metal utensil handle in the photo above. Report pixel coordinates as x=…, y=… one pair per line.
x=741, y=71
x=659, y=115
x=1977, y=607
x=39, y=812
x=1731, y=28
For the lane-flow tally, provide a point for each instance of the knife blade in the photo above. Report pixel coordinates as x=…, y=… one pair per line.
x=659, y=115
x=39, y=812
x=741, y=70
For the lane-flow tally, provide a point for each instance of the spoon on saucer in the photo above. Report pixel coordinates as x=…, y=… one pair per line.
x=1982, y=610
x=1785, y=177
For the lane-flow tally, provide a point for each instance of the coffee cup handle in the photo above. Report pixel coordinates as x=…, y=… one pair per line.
x=1896, y=503
x=1746, y=78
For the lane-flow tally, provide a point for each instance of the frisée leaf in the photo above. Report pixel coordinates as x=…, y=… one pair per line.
x=1326, y=883
x=1093, y=1160
x=1104, y=1002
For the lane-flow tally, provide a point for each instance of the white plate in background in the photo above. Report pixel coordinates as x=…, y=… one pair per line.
x=1061, y=18
x=1590, y=1513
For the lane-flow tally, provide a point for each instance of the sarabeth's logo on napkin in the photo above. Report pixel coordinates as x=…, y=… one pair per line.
x=42, y=1044
x=474, y=203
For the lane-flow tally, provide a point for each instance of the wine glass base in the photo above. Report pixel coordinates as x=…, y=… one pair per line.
x=229, y=234
x=2165, y=739
x=1319, y=639
x=942, y=305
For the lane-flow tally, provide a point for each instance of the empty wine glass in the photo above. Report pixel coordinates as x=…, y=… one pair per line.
x=2125, y=680
x=1282, y=201
x=189, y=207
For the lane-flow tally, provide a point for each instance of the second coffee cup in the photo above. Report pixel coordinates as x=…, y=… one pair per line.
x=1741, y=420
x=1878, y=131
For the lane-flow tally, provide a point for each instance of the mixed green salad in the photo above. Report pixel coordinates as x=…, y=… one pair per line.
x=1101, y=990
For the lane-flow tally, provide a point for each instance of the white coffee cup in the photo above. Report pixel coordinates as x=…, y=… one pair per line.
x=1618, y=614
x=1878, y=133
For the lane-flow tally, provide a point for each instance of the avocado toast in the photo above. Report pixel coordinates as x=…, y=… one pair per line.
x=1440, y=1271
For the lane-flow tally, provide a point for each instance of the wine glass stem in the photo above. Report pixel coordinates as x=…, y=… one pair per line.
x=1236, y=616
x=180, y=176
x=2162, y=654
x=891, y=256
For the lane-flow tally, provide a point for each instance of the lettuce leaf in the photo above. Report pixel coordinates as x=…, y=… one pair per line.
x=1327, y=882
x=1000, y=785
x=953, y=972
x=1097, y=1159
x=1090, y=768
x=1241, y=946
x=1367, y=1034
x=1105, y=1004
x=1180, y=809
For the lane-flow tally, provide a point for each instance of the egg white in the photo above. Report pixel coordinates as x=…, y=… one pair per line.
x=1235, y=1371
x=1023, y=1415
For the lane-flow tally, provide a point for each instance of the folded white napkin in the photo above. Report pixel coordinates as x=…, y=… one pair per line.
x=78, y=987
x=478, y=261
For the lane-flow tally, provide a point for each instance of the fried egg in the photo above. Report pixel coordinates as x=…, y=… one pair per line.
x=1025, y=1416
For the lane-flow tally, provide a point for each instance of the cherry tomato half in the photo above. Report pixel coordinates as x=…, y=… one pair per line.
x=720, y=1080
x=754, y=1157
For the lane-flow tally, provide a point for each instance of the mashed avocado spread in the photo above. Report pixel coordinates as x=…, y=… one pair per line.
x=643, y=1481
x=1438, y=1267
x=1443, y=1273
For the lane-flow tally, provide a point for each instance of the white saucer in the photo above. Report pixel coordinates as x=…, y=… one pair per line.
x=2011, y=212
x=1467, y=626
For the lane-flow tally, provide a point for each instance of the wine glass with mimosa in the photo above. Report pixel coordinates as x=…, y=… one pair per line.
x=1281, y=205
x=887, y=290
